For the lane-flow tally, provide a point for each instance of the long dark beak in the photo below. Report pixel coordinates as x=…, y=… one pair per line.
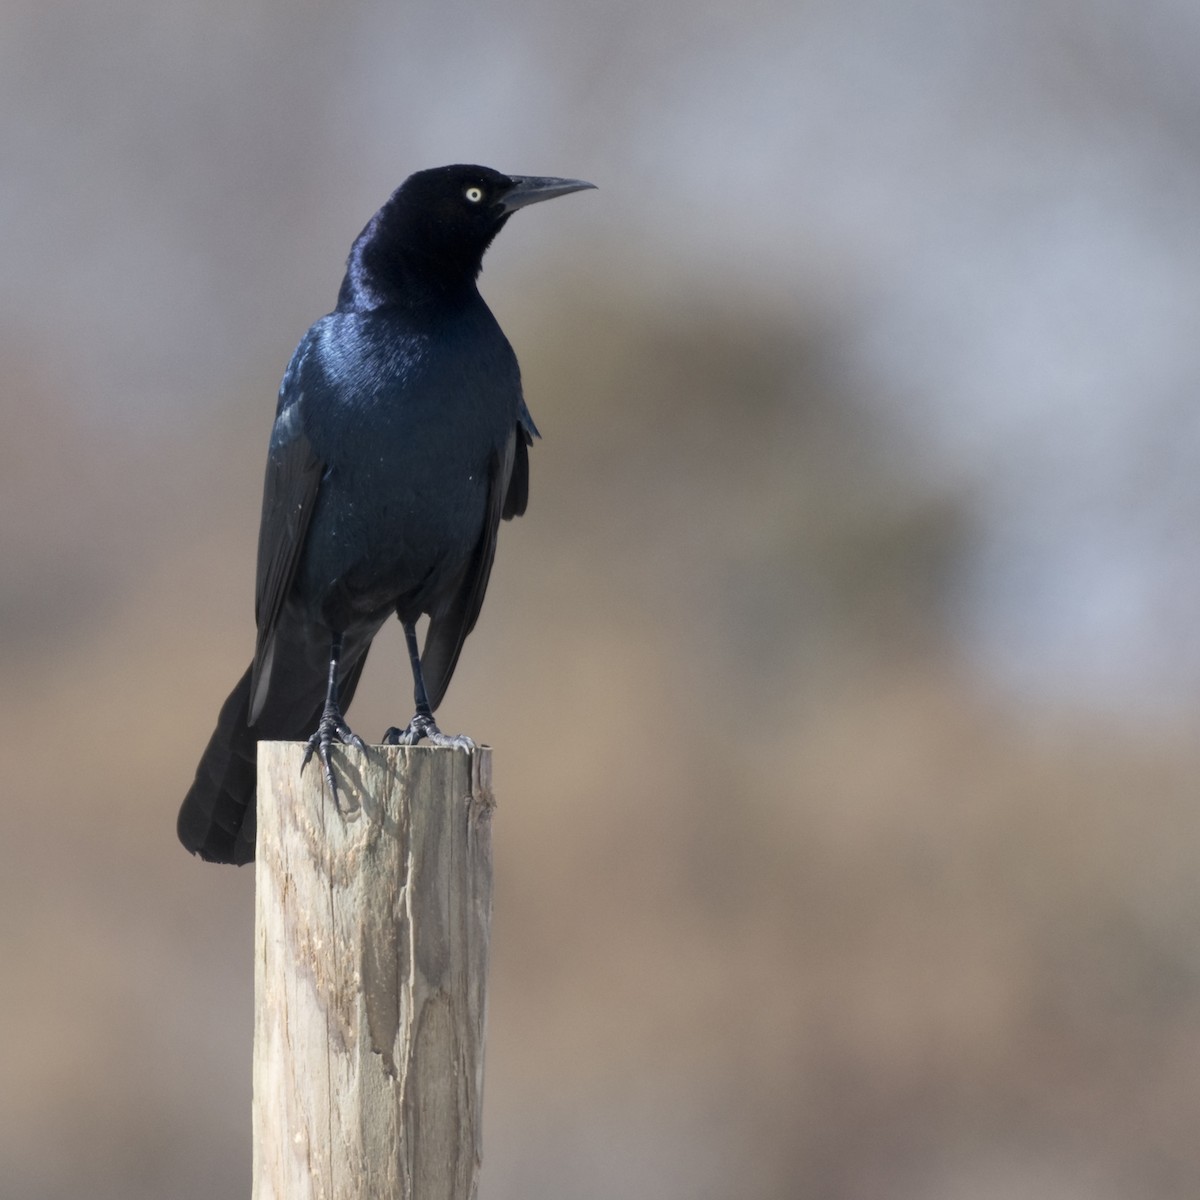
x=530, y=189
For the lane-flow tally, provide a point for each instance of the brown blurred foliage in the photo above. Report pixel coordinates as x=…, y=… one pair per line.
x=785, y=904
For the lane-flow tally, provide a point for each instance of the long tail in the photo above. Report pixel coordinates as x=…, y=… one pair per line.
x=216, y=820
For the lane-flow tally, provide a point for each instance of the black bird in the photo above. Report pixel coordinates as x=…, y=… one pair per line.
x=401, y=439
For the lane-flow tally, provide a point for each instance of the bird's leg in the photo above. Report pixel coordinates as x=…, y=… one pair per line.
x=332, y=724
x=422, y=725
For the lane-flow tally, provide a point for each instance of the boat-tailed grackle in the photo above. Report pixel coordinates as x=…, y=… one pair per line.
x=401, y=440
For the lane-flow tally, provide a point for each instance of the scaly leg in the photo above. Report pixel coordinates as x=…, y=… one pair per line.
x=332, y=724
x=422, y=725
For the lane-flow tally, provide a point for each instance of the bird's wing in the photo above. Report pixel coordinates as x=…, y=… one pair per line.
x=508, y=491
x=516, y=495
x=293, y=479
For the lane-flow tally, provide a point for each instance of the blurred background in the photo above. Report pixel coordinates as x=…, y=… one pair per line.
x=842, y=678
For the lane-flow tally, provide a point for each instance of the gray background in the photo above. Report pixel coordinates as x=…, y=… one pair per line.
x=842, y=676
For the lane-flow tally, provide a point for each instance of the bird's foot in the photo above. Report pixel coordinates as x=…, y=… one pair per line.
x=423, y=727
x=332, y=727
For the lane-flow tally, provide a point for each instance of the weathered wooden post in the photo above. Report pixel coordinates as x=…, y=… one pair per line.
x=371, y=956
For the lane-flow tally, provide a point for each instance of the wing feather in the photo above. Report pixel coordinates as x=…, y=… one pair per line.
x=293, y=479
x=448, y=629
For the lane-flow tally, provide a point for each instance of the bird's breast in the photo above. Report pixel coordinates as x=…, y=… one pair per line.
x=408, y=423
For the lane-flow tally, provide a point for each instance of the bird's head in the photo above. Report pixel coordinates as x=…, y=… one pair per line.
x=440, y=222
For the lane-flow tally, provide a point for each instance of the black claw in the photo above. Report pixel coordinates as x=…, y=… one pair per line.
x=332, y=727
x=423, y=728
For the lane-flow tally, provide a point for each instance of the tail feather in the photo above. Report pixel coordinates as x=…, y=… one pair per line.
x=216, y=820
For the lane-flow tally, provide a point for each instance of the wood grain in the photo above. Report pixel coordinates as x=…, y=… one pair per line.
x=371, y=956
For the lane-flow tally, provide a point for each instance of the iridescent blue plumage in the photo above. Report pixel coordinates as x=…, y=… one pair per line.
x=400, y=443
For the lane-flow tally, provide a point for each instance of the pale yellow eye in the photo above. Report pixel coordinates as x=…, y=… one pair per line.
x=474, y=194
